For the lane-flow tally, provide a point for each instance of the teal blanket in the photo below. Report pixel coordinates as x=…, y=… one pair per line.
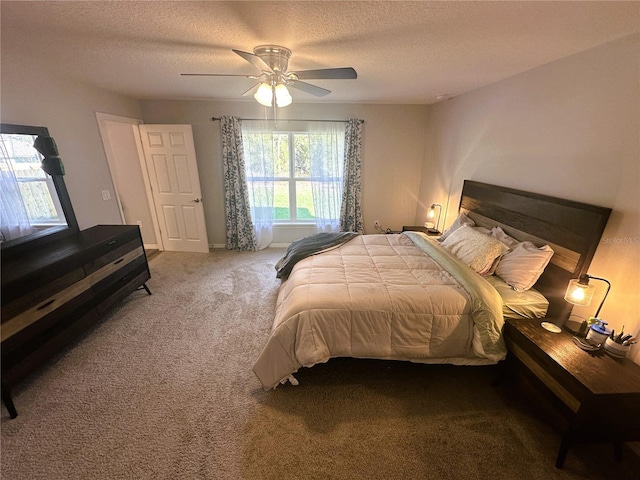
x=487, y=303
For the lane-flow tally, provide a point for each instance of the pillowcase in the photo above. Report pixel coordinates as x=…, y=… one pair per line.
x=475, y=248
x=498, y=234
x=458, y=222
x=509, y=241
x=523, y=264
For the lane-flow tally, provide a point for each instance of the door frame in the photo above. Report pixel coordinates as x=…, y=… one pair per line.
x=111, y=162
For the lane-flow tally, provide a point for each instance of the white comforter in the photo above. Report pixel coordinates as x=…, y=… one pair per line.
x=399, y=297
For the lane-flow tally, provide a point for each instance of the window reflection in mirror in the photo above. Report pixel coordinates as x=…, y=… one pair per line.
x=28, y=199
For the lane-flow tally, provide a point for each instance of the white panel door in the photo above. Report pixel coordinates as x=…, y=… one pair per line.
x=173, y=173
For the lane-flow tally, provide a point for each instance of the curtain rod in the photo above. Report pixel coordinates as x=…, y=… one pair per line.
x=215, y=119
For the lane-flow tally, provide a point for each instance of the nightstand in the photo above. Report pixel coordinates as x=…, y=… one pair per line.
x=599, y=395
x=418, y=228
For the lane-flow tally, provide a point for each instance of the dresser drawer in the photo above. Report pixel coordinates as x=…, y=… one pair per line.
x=12, y=324
x=102, y=241
x=130, y=249
x=15, y=339
x=27, y=355
x=111, y=289
x=33, y=288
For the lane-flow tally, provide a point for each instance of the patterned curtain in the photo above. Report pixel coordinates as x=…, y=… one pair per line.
x=326, y=159
x=351, y=210
x=240, y=233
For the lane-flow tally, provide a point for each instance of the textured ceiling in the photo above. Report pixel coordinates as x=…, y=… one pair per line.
x=404, y=52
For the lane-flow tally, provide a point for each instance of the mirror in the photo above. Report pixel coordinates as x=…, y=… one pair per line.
x=34, y=201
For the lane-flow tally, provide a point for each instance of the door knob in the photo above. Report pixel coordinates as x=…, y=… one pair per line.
x=197, y=200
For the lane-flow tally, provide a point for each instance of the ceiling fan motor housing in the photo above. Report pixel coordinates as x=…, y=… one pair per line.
x=275, y=56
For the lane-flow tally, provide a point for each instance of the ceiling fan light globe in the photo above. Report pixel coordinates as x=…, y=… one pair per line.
x=283, y=97
x=264, y=95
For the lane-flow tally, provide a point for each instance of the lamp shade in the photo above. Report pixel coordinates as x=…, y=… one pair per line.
x=579, y=293
x=264, y=95
x=433, y=227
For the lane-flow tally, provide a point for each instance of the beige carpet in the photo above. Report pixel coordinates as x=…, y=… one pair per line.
x=163, y=389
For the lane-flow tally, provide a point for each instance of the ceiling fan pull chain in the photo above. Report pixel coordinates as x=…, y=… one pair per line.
x=275, y=115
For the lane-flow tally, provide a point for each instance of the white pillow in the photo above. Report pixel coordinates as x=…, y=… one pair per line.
x=509, y=241
x=498, y=233
x=475, y=248
x=523, y=264
x=457, y=223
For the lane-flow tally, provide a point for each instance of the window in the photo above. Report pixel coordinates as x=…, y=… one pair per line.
x=37, y=191
x=301, y=171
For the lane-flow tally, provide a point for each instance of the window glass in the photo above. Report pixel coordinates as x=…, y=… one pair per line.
x=302, y=160
x=284, y=158
x=22, y=162
x=281, y=201
x=281, y=154
x=304, y=201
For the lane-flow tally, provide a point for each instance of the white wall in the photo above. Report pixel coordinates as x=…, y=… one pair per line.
x=68, y=109
x=570, y=129
x=393, y=154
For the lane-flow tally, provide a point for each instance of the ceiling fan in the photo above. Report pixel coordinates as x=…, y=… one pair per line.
x=273, y=61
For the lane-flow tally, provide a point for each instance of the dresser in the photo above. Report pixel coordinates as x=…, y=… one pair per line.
x=53, y=293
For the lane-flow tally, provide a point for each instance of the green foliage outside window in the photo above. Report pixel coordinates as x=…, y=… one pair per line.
x=292, y=179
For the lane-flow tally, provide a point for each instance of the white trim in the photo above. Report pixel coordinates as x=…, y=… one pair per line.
x=134, y=122
x=147, y=187
x=294, y=224
x=102, y=118
x=117, y=118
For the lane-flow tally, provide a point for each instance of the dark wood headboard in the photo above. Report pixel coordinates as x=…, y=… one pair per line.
x=572, y=229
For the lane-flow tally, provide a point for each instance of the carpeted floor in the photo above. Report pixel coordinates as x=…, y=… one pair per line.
x=163, y=389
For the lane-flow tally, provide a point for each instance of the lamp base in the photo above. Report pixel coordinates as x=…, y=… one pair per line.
x=577, y=327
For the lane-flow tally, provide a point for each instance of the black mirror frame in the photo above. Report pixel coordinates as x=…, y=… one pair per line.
x=21, y=244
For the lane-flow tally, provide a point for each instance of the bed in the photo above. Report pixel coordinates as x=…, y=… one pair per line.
x=424, y=299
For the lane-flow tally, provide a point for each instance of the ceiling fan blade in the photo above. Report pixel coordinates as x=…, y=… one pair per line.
x=307, y=87
x=255, y=60
x=346, y=73
x=251, y=91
